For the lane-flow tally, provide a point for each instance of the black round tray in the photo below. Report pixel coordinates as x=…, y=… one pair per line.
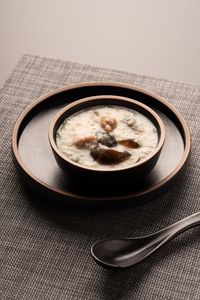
x=38, y=167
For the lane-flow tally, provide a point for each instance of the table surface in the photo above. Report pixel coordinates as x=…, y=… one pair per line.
x=45, y=248
x=156, y=38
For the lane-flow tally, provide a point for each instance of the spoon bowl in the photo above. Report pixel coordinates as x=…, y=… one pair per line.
x=122, y=253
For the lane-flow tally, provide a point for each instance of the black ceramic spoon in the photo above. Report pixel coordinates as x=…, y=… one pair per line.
x=122, y=253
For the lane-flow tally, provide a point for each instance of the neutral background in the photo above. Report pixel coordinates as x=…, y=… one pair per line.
x=152, y=37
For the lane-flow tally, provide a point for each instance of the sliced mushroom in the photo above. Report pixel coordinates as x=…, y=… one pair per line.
x=130, y=143
x=106, y=139
x=108, y=156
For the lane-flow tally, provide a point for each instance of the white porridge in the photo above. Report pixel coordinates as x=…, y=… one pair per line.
x=105, y=137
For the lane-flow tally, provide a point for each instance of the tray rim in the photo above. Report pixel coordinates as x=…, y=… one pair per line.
x=38, y=181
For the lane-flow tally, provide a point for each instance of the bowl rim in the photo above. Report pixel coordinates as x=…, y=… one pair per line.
x=98, y=97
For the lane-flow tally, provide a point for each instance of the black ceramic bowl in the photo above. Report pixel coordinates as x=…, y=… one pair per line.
x=107, y=177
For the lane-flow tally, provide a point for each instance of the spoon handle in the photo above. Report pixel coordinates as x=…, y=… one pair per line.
x=159, y=238
x=171, y=231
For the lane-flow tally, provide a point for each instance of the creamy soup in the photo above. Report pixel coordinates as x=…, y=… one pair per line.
x=105, y=137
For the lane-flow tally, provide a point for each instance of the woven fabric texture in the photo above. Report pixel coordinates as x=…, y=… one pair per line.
x=45, y=250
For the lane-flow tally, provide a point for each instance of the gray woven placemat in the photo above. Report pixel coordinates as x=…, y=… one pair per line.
x=45, y=250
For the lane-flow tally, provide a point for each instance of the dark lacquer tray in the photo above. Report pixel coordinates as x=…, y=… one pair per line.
x=38, y=167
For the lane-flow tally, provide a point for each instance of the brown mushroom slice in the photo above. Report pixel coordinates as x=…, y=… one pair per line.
x=108, y=156
x=106, y=139
x=129, y=143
